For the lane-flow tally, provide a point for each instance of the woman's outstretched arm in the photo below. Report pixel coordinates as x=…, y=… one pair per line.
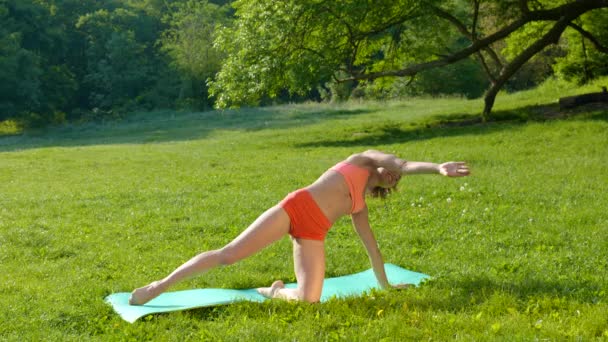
x=449, y=169
x=400, y=166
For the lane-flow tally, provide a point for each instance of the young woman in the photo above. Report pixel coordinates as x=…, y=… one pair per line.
x=307, y=215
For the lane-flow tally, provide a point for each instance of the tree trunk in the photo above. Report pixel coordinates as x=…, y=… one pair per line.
x=551, y=37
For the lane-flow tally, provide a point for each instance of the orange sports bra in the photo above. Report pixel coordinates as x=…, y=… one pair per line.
x=356, y=178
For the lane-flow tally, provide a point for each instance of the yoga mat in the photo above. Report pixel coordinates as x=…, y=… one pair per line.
x=345, y=286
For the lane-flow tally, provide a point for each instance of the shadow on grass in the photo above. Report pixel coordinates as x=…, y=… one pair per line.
x=159, y=127
x=461, y=124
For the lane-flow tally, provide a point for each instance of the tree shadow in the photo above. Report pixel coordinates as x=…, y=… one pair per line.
x=160, y=127
x=461, y=124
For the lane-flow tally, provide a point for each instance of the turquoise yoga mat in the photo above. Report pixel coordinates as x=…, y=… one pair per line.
x=345, y=286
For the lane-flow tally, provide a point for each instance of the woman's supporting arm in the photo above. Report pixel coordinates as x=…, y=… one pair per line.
x=363, y=229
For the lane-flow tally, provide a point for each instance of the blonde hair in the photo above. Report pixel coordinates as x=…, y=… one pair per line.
x=382, y=192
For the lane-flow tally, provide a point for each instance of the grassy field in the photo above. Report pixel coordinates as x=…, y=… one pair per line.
x=517, y=251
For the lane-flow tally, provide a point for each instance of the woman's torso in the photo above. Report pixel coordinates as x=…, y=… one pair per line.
x=332, y=195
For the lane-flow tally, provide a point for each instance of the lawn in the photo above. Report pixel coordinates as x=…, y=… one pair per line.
x=517, y=251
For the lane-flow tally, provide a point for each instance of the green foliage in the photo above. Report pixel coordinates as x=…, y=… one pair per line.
x=536, y=70
x=516, y=43
x=188, y=42
x=584, y=62
x=117, y=69
x=465, y=78
x=69, y=60
x=19, y=72
x=62, y=59
x=299, y=45
x=21, y=90
x=574, y=59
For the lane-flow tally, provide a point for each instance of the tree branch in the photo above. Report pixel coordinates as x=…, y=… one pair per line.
x=598, y=45
x=475, y=18
x=570, y=11
x=523, y=7
x=470, y=35
x=397, y=20
x=551, y=37
x=579, y=6
x=486, y=68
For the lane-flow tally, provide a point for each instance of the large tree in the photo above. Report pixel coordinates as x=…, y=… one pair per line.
x=188, y=41
x=296, y=45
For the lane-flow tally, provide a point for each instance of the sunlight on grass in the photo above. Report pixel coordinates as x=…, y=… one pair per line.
x=9, y=127
x=549, y=92
x=515, y=251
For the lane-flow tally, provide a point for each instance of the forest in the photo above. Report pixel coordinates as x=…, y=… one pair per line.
x=71, y=60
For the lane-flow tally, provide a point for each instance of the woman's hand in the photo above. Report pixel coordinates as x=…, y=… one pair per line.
x=454, y=169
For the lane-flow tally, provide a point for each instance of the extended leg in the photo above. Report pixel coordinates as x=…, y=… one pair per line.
x=269, y=227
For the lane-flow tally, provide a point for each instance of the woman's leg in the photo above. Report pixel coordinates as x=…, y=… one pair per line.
x=309, y=265
x=268, y=228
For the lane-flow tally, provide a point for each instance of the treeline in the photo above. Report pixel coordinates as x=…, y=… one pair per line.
x=69, y=60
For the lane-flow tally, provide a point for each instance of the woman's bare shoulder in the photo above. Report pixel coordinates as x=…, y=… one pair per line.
x=364, y=159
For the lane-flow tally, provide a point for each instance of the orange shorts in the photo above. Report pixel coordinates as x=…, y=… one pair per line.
x=307, y=219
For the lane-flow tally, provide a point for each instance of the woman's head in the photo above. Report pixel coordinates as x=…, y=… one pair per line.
x=387, y=182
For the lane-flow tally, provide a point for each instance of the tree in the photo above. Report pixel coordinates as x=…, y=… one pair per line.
x=19, y=68
x=587, y=57
x=19, y=71
x=61, y=59
x=188, y=42
x=40, y=60
x=119, y=61
x=297, y=45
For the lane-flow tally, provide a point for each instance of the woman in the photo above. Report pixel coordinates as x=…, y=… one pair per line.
x=307, y=215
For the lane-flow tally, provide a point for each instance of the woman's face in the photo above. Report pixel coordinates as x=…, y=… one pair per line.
x=388, y=179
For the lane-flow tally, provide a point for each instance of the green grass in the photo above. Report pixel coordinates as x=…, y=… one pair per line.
x=9, y=127
x=517, y=251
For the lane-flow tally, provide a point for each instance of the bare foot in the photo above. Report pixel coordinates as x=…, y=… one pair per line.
x=269, y=292
x=145, y=294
